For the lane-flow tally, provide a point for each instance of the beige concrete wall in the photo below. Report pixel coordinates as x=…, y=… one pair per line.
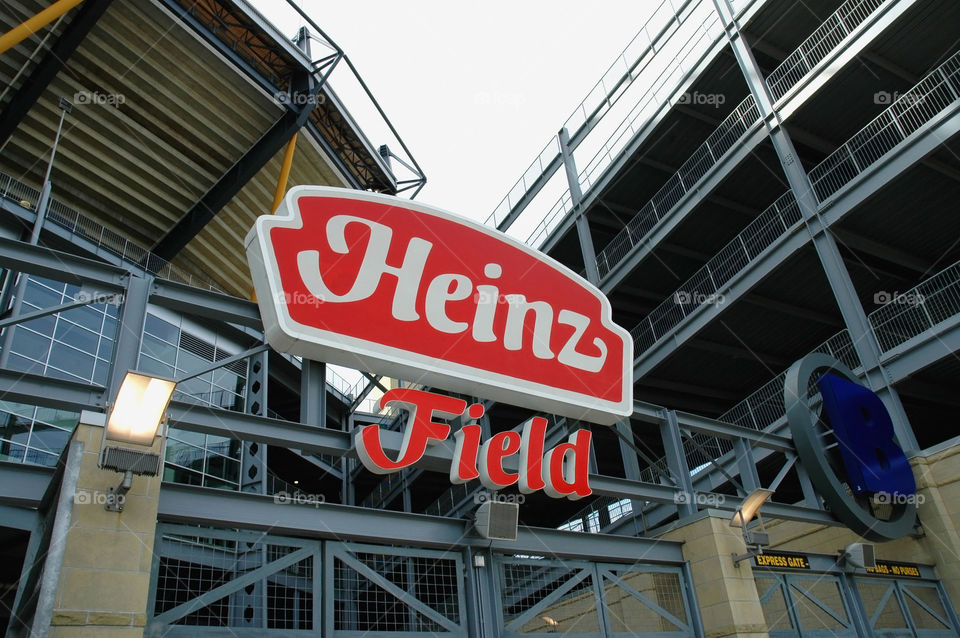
x=727, y=594
x=105, y=578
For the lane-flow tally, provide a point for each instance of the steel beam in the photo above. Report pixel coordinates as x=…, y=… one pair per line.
x=35, y=389
x=245, y=168
x=196, y=302
x=23, y=485
x=219, y=508
x=52, y=63
x=60, y=266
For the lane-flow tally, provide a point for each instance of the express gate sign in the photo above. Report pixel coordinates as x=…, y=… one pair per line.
x=394, y=287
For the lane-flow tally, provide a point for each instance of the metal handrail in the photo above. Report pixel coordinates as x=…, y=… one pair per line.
x=720, y=142
x=906, y=115
x=912, y=313
x=611, y=86
x=79, y=224
x=933, y=94
x=840, y=24
x=708, y=31
x=707, y=284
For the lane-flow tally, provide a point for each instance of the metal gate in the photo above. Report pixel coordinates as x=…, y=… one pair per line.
x=828, y=601
x=905, y=608
x=586, y=599
x=255, y=584
x=244, y=584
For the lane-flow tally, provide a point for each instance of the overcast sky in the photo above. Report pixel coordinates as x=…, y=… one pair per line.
x=475, y=89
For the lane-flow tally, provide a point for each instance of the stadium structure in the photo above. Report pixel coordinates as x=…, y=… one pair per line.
x=751, y=184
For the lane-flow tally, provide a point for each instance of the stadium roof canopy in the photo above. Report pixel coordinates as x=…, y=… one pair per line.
x=182, y=112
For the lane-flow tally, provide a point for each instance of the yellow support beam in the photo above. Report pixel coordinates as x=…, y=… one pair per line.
x=281, y=184
x=284, y=174
x=19, y=33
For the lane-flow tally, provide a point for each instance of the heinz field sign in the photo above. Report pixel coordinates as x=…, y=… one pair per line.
x=397, y=288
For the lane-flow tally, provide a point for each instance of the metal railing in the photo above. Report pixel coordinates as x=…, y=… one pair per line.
x=72, y=220
x=707, y=284
x=659, y=94
x=819, y=44
x=723, y=139
x=764, y=406
x=611, y=86
x=917, y=310
x=903, y=117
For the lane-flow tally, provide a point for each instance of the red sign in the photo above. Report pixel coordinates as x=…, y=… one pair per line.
x=560, y=472
x=394, y=287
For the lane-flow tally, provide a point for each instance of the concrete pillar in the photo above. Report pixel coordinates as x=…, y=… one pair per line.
x=727, y=595
x=105, y=577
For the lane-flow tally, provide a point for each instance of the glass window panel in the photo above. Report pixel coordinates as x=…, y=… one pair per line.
x=43, y=325
x=198, y=387
x=79, y=338
x=63, y=374
x=174, y=474
x=14, y=427
x=41, y=296
x=30, y=344
x=20, y=409
x=59, y=418
x=71, y=360
x=194, y=438
x=189, y=362
x=86, y=316
x=159, y=349
x=101, y=372
x=70, y=291
x=22, y=364
x=162, y=329
x=38, y=457
x=49, y=438
x=210, y=481
x=11, y=451
x=224, y=468
x=113, y=311
x=105, y=350
x=152, y=366
x=185, y=454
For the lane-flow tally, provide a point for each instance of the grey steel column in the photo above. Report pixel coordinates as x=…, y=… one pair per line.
x=861, y=333
x=631, y=463
x=576, y=196
x=313, y=393
x=249, y=605
x=677, y=463
x=133, y=314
